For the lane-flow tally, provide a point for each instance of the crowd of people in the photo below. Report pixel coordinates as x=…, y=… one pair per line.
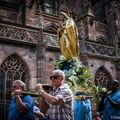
x=59, y=103
x=56, y=105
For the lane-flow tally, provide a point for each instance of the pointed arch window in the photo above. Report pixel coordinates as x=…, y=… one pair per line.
x=102, y=77
x=12, y=68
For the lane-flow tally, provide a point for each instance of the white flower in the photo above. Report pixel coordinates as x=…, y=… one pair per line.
x=62, y=57
x=73, y=78
x=72, y=72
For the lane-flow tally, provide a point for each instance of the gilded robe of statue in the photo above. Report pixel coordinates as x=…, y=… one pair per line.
x=68, y=39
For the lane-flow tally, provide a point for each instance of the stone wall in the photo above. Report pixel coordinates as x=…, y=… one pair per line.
x=30, y=15
x=51, y=58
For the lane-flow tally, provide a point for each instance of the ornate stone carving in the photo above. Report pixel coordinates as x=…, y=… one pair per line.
x=32, y=36
x=98, y=49
x=18, y=33
x=50, y=40
x=13, y=67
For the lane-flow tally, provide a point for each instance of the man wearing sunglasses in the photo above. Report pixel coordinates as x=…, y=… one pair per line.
x=59, y=100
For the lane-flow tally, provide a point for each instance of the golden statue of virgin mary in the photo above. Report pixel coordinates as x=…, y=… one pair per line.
x=68, y=36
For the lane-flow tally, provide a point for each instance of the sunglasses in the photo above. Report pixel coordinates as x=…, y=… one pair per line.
x=14, y=86
x=54, y=77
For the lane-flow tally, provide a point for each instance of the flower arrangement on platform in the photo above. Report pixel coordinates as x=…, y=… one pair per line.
x=78, y=76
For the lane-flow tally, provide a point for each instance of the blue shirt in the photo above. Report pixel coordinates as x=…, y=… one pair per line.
x=111, y=113
x=82, y=110
x=14, y=113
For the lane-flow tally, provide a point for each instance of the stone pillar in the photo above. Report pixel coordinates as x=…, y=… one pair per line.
x=40, y=65
x=81, y=37
x=40, y=50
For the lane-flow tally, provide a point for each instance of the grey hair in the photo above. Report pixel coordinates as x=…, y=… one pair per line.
x=20, y=83
x=59, y=72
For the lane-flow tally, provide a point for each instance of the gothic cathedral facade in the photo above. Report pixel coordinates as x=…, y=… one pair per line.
x=29, y=48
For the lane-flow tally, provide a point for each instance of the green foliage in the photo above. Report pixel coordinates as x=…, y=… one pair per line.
x=75, y=72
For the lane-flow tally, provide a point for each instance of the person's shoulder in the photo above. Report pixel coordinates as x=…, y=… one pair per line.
x=117, y=93
x=28, y=97
x=63, y=86
x=66, y=88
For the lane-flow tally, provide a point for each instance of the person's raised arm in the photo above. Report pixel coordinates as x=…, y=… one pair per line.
x=19, y=102
x=55, y=100
x=43, y=105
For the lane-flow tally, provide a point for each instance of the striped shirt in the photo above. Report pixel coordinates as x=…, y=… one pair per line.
x=64, y=111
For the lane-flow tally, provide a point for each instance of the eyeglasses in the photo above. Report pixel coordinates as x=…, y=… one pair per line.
x=54, y=77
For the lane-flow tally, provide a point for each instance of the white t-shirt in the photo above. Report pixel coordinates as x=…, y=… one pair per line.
x=36, y=109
